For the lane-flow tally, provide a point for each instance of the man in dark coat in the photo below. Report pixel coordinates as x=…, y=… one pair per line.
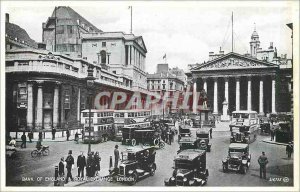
x=210, y=132
x=70, y=163
x=81, y=163
x=89, y=165
x=23, y=137
x=262, y=161
x=53, y=133
x=40, y=136
x=289, y=149
x=61, y=167
x=30, y=136
x=117, y=156
x=68, y=134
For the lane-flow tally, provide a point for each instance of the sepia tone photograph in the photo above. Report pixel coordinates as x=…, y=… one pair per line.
x=150, y=96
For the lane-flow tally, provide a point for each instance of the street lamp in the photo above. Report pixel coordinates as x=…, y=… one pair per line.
x=90, y=80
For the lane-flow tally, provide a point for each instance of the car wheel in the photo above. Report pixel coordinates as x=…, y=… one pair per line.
x=133, y=142
x=225, y=169
x=34, y=153
x=135, y=178
x=156, y=142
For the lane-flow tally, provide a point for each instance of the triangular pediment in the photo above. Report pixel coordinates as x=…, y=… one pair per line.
x=140, y=42
x=233, y=61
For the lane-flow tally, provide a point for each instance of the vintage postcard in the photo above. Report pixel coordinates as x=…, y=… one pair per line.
x=150, y=96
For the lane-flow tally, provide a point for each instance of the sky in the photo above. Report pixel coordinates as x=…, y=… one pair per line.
x=184, y=31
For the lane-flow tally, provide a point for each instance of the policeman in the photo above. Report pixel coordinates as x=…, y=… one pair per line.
x=262, y=161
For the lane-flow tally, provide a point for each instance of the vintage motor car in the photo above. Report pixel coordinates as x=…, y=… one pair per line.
x=137, y=162
x=238, y=158
x=265, y=127
x=187, y=143
x=184, y=131
x=203, y=139
x=189, y=169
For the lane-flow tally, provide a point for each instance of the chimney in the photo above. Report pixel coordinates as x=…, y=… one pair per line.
x=6, y=18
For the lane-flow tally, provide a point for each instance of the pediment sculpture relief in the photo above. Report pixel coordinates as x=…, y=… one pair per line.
x=232, y=63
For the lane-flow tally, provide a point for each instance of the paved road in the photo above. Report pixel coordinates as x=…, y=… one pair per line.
x=279, y=166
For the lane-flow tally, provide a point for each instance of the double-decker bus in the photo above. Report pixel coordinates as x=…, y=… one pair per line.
x=102, y=125
x=244, y=126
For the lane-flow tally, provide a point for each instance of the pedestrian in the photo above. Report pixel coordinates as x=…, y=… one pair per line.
x=70, y=164
x=53, y=133
x=23, y=138
x=93, y=165
x=30, y=136
x=262, y=161
x=210, y=132
x=169, y=136
x=81, y=163
x=97, y=160
x=289, y=149
x=117, y=156
x=89, y=164
x=68, y=134
x=82, y=133
x=272, y=134
x=40, y=136
x=77, y=137
x=61, y=171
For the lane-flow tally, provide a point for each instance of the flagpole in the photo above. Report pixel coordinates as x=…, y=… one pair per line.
x=130, y=19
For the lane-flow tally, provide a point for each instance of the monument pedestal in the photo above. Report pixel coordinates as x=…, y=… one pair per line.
x=225, y=116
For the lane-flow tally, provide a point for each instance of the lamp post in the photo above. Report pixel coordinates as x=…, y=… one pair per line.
x=163, y=103
x=90, y=80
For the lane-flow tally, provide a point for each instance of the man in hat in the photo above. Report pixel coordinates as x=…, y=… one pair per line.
x=81, y=163
x=262, y=161
x=53, y=133
x=117, y=156
x=70, y=163
x=289, y=149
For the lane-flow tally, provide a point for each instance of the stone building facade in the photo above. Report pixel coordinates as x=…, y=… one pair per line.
x=260, y=81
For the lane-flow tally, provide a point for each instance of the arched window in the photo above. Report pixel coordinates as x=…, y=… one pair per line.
x=103, y=57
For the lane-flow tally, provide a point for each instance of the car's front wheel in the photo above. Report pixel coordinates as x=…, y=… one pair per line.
x=134, y=179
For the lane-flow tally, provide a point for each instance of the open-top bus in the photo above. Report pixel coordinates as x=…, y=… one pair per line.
x=244, y=126
x=102, y=125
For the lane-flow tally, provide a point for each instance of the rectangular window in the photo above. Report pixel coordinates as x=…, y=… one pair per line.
x=126, y=54
x=103, y=44
x=9, y=63
x=60, y=29
x=70, y=29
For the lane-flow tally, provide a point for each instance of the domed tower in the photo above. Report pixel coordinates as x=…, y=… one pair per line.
x=254, y=43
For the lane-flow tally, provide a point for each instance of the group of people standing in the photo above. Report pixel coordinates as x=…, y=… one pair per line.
x=164, y=132
x=91, y=164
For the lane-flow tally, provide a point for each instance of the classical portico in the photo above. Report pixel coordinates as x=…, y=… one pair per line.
x=244, y=82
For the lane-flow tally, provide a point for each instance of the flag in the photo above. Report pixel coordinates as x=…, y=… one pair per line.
x=165, y=56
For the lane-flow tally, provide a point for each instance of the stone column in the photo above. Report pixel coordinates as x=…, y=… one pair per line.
x=195, y=96
x=249, y=99
x=261, y=96
x=55, y=104
x=128, y=55
x=131, y=59
x=237, y=94
x=78, y=104
x=226, y=89
x=205, y=84
x=215, y=95
x=29, y=106
x=273, y=95
x=39, y=106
